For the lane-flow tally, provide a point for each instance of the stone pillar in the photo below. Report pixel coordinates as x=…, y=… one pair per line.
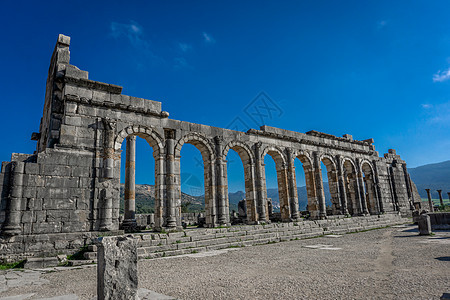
x=283, y=192
x=362, y=194
x=319, y=187
x=117, y=268
x=221, y=182
x=129, y=221
x=160, y=188
x=440, y=198
x=13, y=215
x=448, y=193
x=107, y=205
x=342, y=190
x=424, y=224
x=171, y=221
x=261, y=190
x=108, y=159
x=250, y=192
x=378, y=192
x=313, y=206
x=292, y=186
x=430, y=202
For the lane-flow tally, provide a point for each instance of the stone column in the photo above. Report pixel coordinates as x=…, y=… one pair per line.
x=107, y=204
x=341, y=184
x=430, y=202
x=117, y=268
x=362, y=192
x=171, y=221
x=283, y=192
x=13, y=215
x=250, y=192
x=160, y=188
x=313, y=206
x=261, y=184
x=448, y=193
x=378, y=192
x=292, y=186
x=108, y=159
x=319, y=187
x=129, y=221
x=221, y=179
x=440, y=197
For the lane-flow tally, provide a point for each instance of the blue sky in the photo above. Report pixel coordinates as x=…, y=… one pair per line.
x=373, y=69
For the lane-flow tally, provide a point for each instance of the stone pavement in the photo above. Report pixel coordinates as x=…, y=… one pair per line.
x=21, y=278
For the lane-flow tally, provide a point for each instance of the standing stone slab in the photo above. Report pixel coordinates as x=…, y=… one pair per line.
x=117, y=276
x=424, y=225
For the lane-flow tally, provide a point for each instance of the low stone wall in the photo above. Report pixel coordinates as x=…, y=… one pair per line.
x=46, y=245
x=148, y=220
x=440, y=221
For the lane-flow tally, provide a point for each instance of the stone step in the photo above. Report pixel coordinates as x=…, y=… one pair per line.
x=74, y=263
x=153, y=245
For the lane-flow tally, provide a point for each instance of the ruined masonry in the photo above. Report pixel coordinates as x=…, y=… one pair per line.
x=67, y=192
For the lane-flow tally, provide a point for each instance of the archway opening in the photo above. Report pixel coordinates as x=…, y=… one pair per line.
x=306, y=188
x=369, y=188
x=352, y=193
x=192, y=182
x=138, y=192
x=273, y=195
x=332, y=198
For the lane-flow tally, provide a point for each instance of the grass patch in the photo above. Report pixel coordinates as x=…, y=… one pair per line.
x=233, y=246
x=15, y=265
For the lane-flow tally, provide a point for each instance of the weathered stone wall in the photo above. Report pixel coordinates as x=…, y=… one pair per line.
x=71, y=183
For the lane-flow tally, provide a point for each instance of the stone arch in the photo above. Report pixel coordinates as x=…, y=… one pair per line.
x=151, y=136
x=244, y=151
x=370, y=187
x=248, y=160
x=350, y=173
x=156, y=142
x=333, y=181
x=277, y=155
x=202, y=143
x=206, y=148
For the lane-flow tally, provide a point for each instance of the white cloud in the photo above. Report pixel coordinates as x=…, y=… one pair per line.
x=441, y=76
x=184, y=47
x=208, y=38
x=132, y=31
x=381, y=24
x=438, y=114
x=181, y=62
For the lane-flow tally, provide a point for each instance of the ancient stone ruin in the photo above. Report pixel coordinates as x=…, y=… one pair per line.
x=67, y=191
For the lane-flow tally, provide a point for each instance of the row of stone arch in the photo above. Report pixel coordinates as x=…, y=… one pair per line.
x=352, y=183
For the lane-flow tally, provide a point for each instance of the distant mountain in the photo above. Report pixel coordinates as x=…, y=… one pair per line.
x=145, y=199
x=432, y=176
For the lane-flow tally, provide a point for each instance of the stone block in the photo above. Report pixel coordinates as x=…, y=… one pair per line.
x=31, y=168
x=117, y=268
x=40, y=262
x=424, y=224
x=74, y=72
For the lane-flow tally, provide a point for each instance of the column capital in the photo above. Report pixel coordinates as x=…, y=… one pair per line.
x=131, y=138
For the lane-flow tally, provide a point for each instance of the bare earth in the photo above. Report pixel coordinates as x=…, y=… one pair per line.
x=392, y=263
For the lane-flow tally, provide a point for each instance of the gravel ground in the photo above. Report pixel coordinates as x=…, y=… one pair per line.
x=392, y=263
